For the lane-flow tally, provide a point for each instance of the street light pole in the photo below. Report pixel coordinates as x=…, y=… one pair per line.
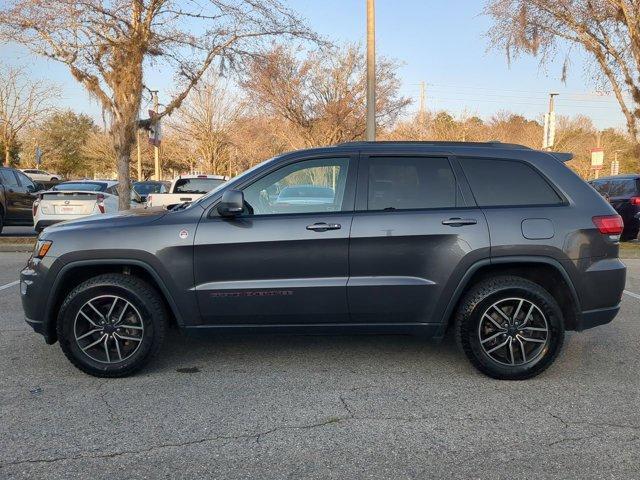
x=371, y=71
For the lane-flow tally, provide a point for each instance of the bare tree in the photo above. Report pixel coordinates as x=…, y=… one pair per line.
x=109, y=46
x=322, y=96
x=609, y=30
x=204, y=123
x=23, y=102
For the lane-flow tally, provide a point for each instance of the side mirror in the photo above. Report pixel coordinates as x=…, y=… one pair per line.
x=232, y=203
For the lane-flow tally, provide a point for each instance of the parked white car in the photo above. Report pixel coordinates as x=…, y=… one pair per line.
x=40, y=175
x=186, y=188
x=76, y=199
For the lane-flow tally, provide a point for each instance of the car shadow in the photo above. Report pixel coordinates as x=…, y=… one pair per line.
x=244, y=352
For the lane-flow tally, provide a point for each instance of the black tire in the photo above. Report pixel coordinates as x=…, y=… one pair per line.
x=1, y=219
x=480, y=299
x=137, y=293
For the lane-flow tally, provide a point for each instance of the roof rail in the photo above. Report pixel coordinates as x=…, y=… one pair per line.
x=490, y=144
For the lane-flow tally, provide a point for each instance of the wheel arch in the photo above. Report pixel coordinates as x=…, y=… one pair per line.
x=82, y=270
x=545, y=271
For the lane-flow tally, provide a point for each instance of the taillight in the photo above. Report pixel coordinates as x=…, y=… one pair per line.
x=634, y=200
x=36, y=204
x=609, y=224
x=100, y=202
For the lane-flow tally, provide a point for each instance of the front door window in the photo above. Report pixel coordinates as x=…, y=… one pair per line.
x=310, y=186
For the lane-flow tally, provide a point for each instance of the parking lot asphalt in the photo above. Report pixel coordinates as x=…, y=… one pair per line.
x=319, y=407
x=18, y=232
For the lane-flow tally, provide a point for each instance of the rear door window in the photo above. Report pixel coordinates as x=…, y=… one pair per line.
x=507, y=183
x=24, y=180
x=406, y=183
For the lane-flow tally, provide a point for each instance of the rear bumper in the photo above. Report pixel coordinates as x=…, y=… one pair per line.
x=600, y=289
x=594, y=318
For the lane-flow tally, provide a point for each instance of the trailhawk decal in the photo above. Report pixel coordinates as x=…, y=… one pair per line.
x=262, y=293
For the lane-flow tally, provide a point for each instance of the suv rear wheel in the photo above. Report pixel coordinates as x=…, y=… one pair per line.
x=111, y=325
x=509, y=328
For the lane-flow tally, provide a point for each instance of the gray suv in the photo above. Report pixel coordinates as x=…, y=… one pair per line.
x=500, y=243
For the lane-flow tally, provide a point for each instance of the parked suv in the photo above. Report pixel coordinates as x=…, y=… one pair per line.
x=503, y=244
x=17, y=193
x=623, y=193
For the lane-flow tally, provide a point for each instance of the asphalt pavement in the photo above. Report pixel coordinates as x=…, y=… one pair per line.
x=18, y=232
x=319, y=407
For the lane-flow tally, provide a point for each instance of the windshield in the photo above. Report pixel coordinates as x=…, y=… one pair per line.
x=84, y=186
x=196, y=185
x=239, y=178
x=147, y=188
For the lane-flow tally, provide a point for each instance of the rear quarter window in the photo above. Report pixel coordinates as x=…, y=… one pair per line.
x=507, y=183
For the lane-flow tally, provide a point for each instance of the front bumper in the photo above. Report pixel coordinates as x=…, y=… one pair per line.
x=34, y=294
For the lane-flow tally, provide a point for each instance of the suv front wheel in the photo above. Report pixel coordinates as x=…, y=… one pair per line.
x=509, y=328
x=111, y=325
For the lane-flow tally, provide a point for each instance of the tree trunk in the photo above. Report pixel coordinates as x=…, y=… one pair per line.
x=7, y=153
x=123, y=143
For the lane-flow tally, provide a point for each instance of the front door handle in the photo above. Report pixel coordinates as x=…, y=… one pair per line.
x=323, y=227
x=459, y=222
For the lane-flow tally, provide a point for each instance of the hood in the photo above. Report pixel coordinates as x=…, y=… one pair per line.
x=135, y=216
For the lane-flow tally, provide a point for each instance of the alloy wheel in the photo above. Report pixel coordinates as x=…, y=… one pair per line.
x=108, y=329
x=513, y=331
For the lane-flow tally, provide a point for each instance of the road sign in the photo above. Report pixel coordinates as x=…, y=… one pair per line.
x=615, y=167
x=597, y=158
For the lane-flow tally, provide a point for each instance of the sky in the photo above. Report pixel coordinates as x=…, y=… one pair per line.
x=438, y=42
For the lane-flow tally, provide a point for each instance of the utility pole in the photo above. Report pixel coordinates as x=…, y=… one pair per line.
x=371, y=71
x=156, y=152
x=422, y=110
x=549, y=134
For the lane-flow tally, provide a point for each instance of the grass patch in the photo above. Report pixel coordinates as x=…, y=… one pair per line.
x=630, y=249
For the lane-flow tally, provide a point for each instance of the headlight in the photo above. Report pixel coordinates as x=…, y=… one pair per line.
x=42, y=247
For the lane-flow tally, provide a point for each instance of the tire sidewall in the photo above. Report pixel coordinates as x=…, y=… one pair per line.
x=554, y=320
x=66, y=328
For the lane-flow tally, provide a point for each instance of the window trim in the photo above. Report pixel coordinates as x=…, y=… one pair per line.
x=349, y=193
x=563, y=199
x=362, y=203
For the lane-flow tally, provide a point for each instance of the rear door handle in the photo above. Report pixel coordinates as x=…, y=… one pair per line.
x=459, y=222
x=323, y=227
